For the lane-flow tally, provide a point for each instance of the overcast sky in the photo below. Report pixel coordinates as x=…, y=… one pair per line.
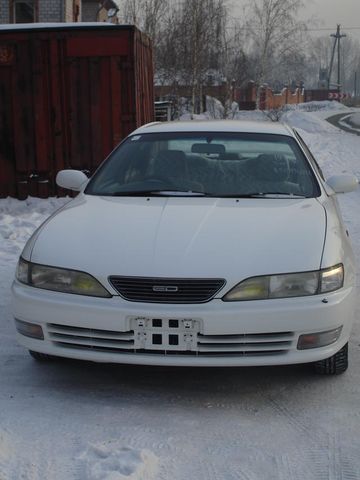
x=327, y=12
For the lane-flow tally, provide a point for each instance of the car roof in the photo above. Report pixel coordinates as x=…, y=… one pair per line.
x=239, y=126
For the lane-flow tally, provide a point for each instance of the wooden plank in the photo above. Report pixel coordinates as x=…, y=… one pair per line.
x=73, y=111
x=84, y=116
x=23, y=116
x=41, y=107
x=116, y=80
x=57, y=120
x=7, y=154
x=95, y=114
x=106, y=113
x=22, y=100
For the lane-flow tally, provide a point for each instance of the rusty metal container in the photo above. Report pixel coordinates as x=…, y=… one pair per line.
x=68, y=94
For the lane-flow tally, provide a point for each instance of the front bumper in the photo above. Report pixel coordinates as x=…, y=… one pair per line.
x=230, y=334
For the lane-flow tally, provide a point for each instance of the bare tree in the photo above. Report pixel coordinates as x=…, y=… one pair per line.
x=318, y=59
x=146, y=14
x=191, y=44
x=276, y=33
x=203, y=23
x=233, y=65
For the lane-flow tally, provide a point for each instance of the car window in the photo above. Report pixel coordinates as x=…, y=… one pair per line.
x=216, y=164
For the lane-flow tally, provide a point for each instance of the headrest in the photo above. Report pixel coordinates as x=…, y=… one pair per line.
x=272, y=167
x=171, y=162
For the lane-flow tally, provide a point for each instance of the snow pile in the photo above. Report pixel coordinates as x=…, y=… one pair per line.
x=216, y=110
x=18, y=220
x=307, y=121
x=325, y=105
x=354, y=119
x=351, y=122
x=109, y=461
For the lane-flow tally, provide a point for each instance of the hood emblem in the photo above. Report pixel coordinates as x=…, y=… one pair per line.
x=165, y=288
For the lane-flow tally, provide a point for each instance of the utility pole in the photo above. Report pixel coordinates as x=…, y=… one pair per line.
x=337, y=36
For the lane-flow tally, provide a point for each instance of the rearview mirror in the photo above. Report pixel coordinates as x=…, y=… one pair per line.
x=343, y=183
x=71, y=179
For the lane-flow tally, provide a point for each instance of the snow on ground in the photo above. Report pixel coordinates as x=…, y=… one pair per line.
x=111, y=461
x=323, y=109
x=18, y=219
x=80, y=421
x=354, y=119
x=351, y=122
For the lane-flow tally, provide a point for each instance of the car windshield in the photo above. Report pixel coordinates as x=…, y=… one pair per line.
x=206, y=164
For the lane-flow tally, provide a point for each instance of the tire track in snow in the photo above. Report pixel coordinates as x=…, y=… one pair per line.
x=4, y=454
x=302, y=427
x=350, y=467
x=341, y=465
x=321, y=449
x=284, y=468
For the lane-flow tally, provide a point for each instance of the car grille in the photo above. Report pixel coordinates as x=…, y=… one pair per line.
x=246, y=344
x=166, y=290
x=258, y=344
x=87, y=338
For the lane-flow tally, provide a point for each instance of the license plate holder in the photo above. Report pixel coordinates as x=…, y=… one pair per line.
x=167, y=334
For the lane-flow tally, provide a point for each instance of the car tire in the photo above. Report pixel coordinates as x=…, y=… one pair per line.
x=42, y=357
x=334, y=365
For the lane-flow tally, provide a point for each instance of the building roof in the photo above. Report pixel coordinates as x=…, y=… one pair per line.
x=60, y=25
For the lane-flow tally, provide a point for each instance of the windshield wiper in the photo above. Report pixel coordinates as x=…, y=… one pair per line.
x=149, y=193
x=261, y=195
x=194, y=193
x=277, y=194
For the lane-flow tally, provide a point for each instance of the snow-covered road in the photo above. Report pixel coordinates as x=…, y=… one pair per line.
x=81, y=421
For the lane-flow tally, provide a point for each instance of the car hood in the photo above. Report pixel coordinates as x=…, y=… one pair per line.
x=183, y=237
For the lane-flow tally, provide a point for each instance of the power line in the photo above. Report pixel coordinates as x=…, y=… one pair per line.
x=317, y=29
x=327, y=29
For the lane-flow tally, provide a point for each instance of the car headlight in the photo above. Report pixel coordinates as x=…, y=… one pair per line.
x=59, y=279
x=288, y=285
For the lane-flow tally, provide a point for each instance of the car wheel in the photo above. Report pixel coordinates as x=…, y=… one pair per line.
x=42, y=357
x=334, y=365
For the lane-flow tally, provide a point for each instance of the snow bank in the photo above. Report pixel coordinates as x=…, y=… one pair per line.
x=354, y=119
x=325, y=105
x=351, y=122
x=307, y=122
x=216, y=110
x=18, y=220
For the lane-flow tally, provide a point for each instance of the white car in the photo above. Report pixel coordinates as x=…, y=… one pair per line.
x=194, y=244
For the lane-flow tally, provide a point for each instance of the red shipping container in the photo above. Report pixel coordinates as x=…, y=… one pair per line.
x=68, y=94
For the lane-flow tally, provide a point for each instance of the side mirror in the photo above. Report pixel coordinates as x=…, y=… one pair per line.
x=71, y=179
x=343, y=183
